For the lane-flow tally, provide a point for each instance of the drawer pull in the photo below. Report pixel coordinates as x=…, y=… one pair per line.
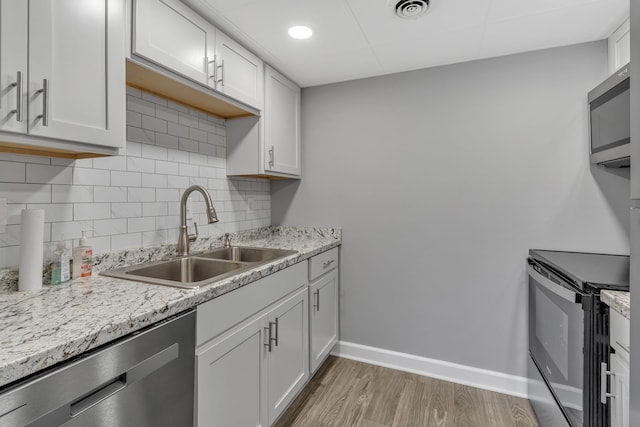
x=327, y=263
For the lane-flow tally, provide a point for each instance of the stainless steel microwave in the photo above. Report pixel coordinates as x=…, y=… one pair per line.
x=609, y=121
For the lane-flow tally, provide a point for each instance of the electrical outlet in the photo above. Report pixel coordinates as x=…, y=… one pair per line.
x=3, y=216
x=251, y=203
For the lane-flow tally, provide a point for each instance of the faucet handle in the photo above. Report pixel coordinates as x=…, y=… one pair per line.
x=227, y=240
x=193, y=237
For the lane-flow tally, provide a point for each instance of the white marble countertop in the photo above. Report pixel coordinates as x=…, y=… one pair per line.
x=42, y=328
x=620, y=301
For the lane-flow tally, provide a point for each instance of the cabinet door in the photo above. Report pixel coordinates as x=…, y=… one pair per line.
x=76, y=80
x=239, y=73
x=170, y=34
x=323, y=299
x=281, y=124
x=231, y=379
x=289, y=356
x=620, y=401
x=13, y=65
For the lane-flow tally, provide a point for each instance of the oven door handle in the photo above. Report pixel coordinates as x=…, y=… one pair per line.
x=559, y=290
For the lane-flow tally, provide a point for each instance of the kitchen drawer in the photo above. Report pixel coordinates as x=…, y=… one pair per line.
x=619, y=334
x=323, y=263
x=226, y=311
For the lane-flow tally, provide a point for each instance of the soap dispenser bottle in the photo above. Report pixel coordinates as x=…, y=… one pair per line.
x=82, y=258
x=60, y=271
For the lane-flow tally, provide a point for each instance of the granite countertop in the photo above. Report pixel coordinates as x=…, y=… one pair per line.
x=617, y=300
x=42, y=328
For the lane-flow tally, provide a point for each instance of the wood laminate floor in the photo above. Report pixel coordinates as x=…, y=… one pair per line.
x=348, y=393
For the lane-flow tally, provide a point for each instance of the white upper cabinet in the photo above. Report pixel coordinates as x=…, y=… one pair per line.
x=239, y=73
x=13, y=65
x=76, y=70
x=619, y=45
x=281, y=124
x=74, y=86
x=170, y=34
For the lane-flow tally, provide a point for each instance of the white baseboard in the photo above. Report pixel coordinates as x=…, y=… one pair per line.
x=453, y=372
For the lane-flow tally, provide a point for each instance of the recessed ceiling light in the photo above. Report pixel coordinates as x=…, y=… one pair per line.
x=300, y=32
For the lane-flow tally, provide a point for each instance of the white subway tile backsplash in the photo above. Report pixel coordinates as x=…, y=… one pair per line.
x=154, y=124
x=154, y=152
x=167, y=194
x=125, y=241
x=12, y=172
x=169, y=168
x=144, y=136
x=90, y=211
x=153, y=180
x=54, y=212
x=157, y=100
x=140, y=105
x=126, y=179
x=189, y=145
x=168, y=114
x=139, y=164
x=118, y=163
x=85, y=176
x=110, y=194
x=108, y=227
x=154, y=209
x=135, y=225
x=141, y=195
x=176, y=129
x=126, y=210
x=69, y=194
x=48, y=174
x=133, y=199
x=25, y=193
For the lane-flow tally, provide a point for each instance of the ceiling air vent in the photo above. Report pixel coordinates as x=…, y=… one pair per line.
x=411, y=9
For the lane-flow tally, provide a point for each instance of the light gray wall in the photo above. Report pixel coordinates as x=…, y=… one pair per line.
x=442, y=179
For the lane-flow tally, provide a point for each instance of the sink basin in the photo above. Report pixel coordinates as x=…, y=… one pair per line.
x=186, y=270
x=197, y=270
x=246, y=254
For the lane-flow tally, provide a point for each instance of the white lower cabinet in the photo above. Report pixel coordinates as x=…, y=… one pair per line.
x=253, y=351
x=619, y=337
x=232, y=379
x=288, y=355
x=323, y=315
x=620, y=391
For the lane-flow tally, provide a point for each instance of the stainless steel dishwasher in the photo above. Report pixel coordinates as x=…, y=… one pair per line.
x=145, y=379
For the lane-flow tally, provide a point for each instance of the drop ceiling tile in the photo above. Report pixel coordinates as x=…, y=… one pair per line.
x=381, y=25
x=594, y=21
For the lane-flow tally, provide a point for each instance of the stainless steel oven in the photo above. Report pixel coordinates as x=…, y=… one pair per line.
x=568, y=334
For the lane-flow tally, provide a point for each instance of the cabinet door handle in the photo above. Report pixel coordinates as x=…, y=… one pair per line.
x=45, y=102
x=271, y=155
x=604, y=373
x=18, y=85
x=221, y=67
x=277, y=333
x=215, y=69
x=316, y=298
x=267, y=331
x=327, y=263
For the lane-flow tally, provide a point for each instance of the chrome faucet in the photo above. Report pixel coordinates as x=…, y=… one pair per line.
x=185, y=238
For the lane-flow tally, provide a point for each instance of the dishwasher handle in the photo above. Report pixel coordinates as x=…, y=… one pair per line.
x=136, y=373
x=98, y=396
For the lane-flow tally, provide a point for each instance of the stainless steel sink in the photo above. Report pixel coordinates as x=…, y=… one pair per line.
x=197, y=270
x=246, y=254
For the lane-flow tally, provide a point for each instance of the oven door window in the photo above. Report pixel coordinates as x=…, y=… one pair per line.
x=556, y=341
